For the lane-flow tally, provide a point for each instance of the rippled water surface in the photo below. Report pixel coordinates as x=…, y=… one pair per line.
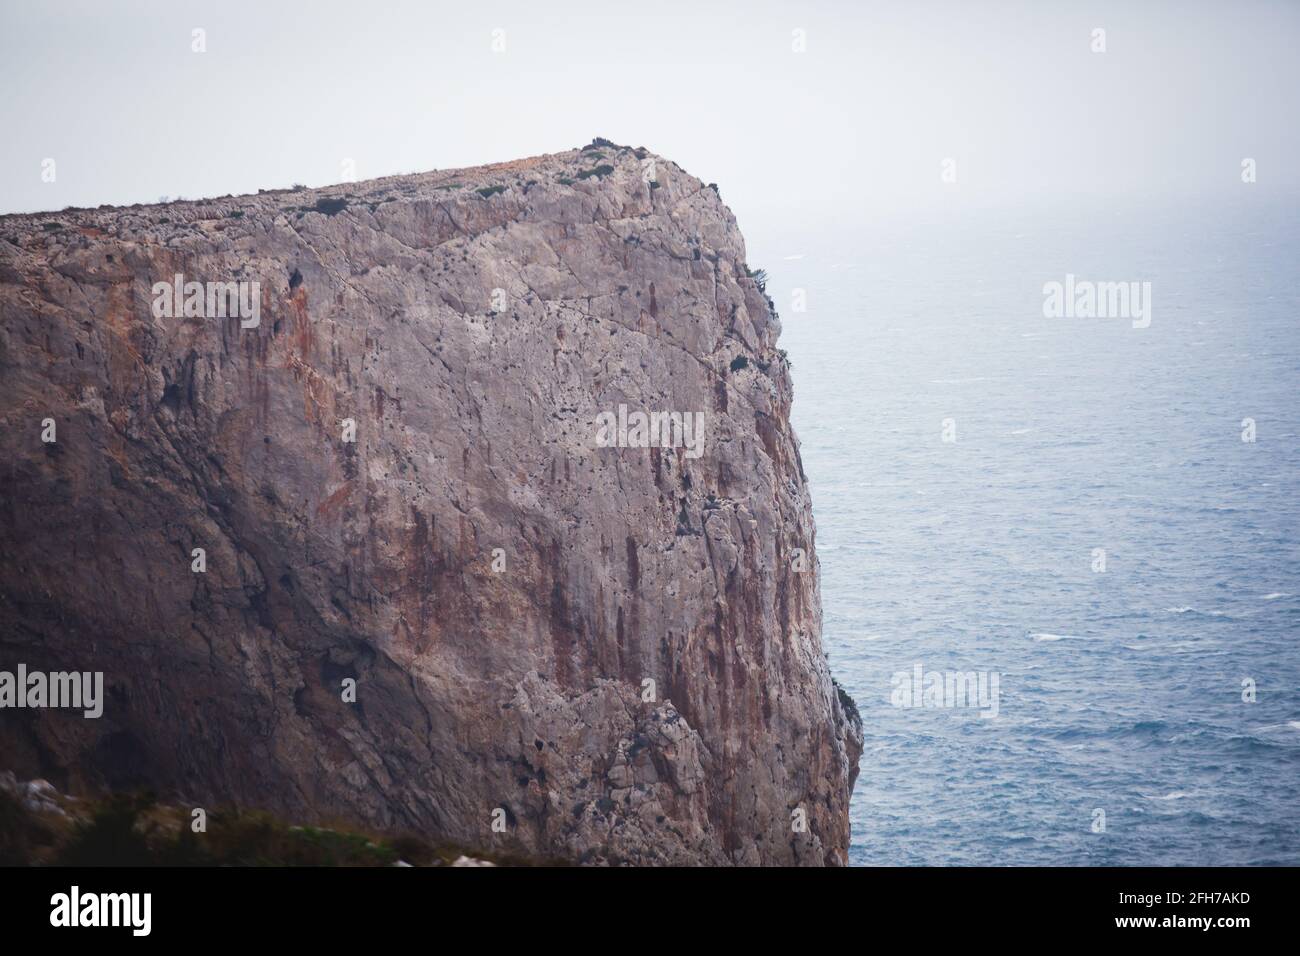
x=1119, y=691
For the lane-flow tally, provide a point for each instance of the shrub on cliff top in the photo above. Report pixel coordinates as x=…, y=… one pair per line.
x=331, y=207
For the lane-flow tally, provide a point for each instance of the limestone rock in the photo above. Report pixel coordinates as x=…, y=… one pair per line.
x=606, y=648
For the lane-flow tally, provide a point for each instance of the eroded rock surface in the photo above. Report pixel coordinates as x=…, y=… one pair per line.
x=473, y=335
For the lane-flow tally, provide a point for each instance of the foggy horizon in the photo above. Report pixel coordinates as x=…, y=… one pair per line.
x=1009, y=100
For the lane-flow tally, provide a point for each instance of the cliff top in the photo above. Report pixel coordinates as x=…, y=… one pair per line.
x=572, y=168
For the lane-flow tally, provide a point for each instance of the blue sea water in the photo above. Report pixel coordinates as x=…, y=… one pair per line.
x=1122, y=690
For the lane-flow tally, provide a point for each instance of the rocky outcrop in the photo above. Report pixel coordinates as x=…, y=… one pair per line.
x=368, y=549
x=41, y=827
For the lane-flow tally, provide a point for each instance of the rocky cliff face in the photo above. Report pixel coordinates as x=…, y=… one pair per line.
x=397, y=460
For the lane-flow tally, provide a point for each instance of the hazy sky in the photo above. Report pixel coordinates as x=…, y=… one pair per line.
x=862, y=120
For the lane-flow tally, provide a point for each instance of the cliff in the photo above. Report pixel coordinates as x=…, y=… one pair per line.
x=372, y=533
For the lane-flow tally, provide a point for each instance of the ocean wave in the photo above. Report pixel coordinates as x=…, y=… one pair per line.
x=1251, y=744
x=1142, y=728
x=1192, y=610
x=1288, y=725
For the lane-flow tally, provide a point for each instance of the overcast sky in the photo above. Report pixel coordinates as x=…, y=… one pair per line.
x=862, y=120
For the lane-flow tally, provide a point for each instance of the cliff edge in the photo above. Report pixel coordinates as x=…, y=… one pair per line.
x=377, y=530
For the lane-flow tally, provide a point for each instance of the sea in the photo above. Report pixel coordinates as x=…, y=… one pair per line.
x=1102, y=515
